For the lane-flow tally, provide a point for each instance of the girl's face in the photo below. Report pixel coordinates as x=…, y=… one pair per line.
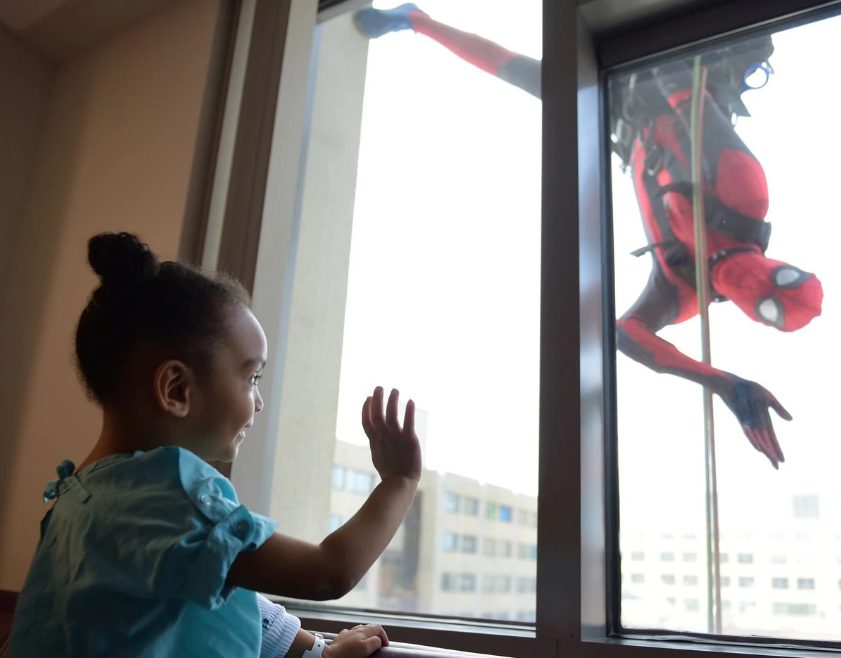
x=223, y=405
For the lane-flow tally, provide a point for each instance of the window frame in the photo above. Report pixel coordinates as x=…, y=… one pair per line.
x=577, y=521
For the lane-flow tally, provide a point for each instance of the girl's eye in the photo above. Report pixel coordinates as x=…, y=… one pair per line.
x=254, y=378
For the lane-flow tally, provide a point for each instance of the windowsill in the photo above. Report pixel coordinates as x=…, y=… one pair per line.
x=520, y=639
x=708, y=645
x=346, y=615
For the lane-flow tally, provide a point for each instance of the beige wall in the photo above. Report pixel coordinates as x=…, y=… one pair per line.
x=25, y=80
x=118, y=139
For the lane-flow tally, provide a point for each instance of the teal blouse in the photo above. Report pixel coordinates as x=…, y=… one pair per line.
x=133, y=561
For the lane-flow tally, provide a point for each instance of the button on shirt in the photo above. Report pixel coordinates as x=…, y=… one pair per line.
x=133, y=561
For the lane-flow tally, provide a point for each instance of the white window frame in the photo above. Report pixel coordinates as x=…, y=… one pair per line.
x=577, y=546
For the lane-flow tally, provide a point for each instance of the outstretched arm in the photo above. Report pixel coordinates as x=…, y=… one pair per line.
x=656, y=307
x=291, y=567
x=518, y=70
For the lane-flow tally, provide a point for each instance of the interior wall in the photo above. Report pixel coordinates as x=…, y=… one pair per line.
x=117, y=145
x=25, y=78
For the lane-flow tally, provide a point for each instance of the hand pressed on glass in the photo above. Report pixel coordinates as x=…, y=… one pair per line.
x=395, y=450
x=750, y=403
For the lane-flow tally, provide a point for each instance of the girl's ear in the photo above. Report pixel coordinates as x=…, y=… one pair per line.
x=173, y=384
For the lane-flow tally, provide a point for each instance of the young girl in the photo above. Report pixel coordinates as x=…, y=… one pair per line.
x=146, y=550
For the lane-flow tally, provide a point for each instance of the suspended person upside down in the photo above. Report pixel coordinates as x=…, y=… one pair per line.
x=650, y=133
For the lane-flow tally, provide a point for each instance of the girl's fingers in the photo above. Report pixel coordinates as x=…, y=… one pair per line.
x=391, y=413
x=367, y=423
x=371, y=644
x=409, y=418
x=377, y=409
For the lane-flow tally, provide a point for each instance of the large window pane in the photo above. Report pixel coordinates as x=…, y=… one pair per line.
x=417, y=266
x=769, y=156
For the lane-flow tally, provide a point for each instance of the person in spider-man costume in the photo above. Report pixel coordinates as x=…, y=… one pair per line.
x=650, y=133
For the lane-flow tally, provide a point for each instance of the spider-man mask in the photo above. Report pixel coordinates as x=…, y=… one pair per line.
x=769, y=291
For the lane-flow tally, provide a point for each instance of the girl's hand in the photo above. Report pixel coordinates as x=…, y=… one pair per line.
x=395, y=451
x=357, y=642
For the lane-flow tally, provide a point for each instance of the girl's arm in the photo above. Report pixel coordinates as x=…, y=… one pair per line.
x=290, y=567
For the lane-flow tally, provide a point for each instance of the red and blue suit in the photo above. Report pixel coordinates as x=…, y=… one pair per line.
x=651, y=135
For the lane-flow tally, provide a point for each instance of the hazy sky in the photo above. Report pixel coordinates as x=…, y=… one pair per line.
x=446, y=227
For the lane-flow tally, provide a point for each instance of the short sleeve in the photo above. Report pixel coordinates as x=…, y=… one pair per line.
x=229, y=528
x=158, y=525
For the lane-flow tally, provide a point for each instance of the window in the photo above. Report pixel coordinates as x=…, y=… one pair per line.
x=334, y=522
x=637, y=578
x=806, y=507
x=470, y=506
x=488, y=547
x=668, y=579
x=451, y=501
x=468, y=544
x=659, y=332
x=469, y=274
x=798, y=609
x=690, y=580
x=637, y=556
x=681, y=484
x=690, y=557
x=527, y=551
x=359, y=482
x=450, y=542
x=338, y=481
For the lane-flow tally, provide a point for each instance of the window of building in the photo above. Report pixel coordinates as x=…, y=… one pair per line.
x=805, y=583
x=360, y=482
x=334, y=522
x=450, y=542
x=779, y=583
x=690, y=580
x=690, y=557
x=505, y=513
x=468, y=543
x=452, y=501
x=488, y=547
x=669, y=430
x=338, y=480
x=668, y=579
x=637, y=578
x=806, y=507
x=662, y=339
x=470, y=506
x=798, y=609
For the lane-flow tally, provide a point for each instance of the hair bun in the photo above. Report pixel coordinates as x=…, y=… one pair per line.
x=121, y=258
